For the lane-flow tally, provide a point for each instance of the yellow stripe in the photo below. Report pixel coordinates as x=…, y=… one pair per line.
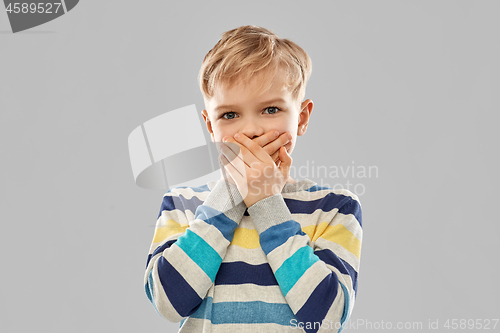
x=169, y=229
x=335, y=233
x=315, y=231
x=246, y=238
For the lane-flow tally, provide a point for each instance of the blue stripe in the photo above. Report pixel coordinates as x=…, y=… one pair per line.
x=319, y=302
x=330, y=258
x=345, y=205
x=278, y=235
x=315, y=188
x=245, y=312
x=346, y=308
x=212, y=216
x=181, y=295
x=352, y=207
x=294, y=267
x=240, y=272
x=149, y=288
x=200, y=252
x=170, y=203
x=163, y=247
x=205, y=309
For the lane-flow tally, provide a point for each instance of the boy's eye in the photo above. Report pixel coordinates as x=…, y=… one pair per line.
x=275, y=108
x=229, y=113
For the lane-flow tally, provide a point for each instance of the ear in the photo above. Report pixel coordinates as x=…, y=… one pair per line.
x=204, y=113
x=304, y=115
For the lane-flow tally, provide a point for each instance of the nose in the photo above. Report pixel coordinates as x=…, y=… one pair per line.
x=252, y=128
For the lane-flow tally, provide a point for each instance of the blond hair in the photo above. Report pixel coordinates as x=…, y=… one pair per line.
x=248, y=50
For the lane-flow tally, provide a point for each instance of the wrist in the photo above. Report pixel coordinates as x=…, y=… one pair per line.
x=269, y=212
x=258, y=193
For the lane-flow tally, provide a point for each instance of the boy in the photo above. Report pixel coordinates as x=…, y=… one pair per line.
x=255, y=251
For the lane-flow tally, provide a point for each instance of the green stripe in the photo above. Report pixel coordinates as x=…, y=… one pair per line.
x=200, y=252
x=294, y=267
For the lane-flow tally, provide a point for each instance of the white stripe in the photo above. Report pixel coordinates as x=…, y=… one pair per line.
x=350, y=223
x=249, y=256
x=176, y=214
x=312, y=196
x=248, y=293
x=188, y=193
x=315, y=218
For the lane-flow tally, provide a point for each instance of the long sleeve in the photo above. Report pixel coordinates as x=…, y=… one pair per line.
x=316, y=265
x=187, y=250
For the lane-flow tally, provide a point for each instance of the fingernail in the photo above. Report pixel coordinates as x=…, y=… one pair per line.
x=224, y=139
x=276, y=133
x=289, y=136
x=237, y=136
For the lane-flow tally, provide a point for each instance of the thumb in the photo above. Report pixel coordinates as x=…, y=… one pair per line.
x=286, y=162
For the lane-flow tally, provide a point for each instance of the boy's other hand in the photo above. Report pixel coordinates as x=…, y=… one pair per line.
x=256, y=174
x=272, y=142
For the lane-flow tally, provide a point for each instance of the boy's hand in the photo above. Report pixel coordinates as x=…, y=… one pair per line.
x=252, y=169
x=272, y=143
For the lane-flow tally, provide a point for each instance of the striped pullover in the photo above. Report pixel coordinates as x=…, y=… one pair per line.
x=288, y=263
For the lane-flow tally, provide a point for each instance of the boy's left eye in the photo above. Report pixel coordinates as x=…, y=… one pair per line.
x=275, y=108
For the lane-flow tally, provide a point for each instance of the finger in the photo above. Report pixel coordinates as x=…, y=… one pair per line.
x=230, y=170
x=286, y=162
x=234, y=146
x=275, y=145
x=266, y=138
x=275, y=156
x=235, y=160
x=251, y=151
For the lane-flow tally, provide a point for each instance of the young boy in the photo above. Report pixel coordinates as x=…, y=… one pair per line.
x=255, y=251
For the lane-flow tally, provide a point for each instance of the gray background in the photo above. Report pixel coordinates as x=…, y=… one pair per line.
x=407, y=86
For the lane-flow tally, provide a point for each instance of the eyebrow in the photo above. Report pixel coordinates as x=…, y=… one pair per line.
x=274, y=100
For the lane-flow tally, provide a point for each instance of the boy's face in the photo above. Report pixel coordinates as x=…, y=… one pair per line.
x=238, y=109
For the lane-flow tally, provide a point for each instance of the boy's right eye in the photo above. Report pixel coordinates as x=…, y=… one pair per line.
x=229, y=113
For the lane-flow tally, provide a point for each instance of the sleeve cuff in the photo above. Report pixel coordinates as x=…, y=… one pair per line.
x=269, y=212
x=226, y=199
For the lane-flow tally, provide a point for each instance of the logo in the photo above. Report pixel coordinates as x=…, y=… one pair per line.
x=28, y=14
x=170, y=150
